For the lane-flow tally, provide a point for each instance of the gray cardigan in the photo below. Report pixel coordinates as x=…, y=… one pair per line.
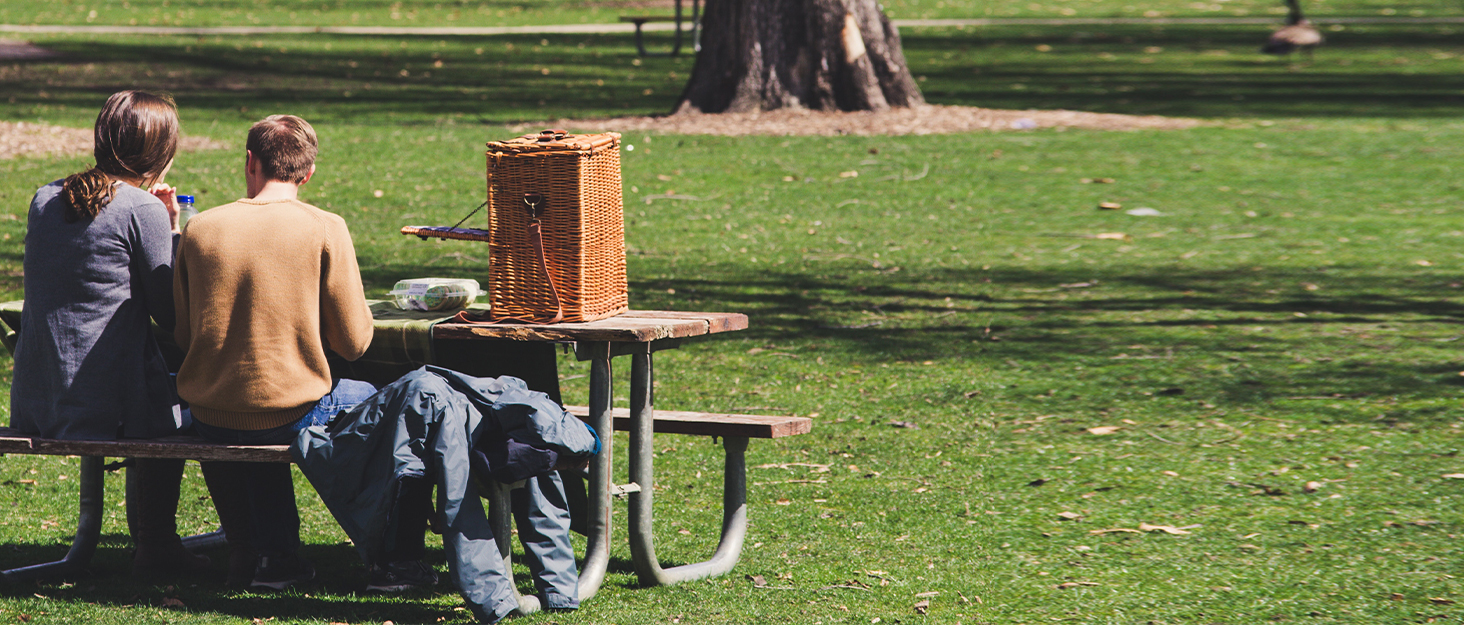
x=87, y=366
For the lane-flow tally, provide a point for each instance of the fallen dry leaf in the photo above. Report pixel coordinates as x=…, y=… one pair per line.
x=1447, y=476
x=1069, y=516
x=1440, y=601
x=1038, y=482
x=1112, y=236
x=1172, y=473
x=1109, y=206
x=1066, y=585
x=1124, y=530
x=1311, y=487
x=173, y=602
x=758, y=581
x=1104, y=430
x=904, y=424
x=922, y=606
x=783, y=502
x=1167, y=529
x=931, y=593
x=1397, y=596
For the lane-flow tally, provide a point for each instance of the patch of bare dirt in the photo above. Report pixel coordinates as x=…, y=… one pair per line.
x=12, y=50
x=20, y=139
x=923, y=120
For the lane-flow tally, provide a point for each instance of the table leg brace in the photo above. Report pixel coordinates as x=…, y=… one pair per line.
x=642, y=453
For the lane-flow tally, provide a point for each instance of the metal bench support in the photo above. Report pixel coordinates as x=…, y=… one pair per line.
x=88, y=529
x=640, y=45
x=642, y=449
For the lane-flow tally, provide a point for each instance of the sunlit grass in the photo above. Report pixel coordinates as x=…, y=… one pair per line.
x=1270, y=364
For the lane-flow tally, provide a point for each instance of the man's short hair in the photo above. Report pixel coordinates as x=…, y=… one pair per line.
x=284, y=146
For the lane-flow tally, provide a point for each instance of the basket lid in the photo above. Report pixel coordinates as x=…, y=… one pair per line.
x=555, y=141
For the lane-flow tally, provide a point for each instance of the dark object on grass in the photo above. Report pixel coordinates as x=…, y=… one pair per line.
x=1299, y=34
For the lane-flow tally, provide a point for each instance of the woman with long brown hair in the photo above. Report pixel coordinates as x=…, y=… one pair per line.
x=98, y=266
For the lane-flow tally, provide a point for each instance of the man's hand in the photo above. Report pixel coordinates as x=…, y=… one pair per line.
x=169, y=197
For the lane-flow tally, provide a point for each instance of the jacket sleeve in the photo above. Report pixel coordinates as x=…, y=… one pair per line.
x=152, y=260
x=344, y=316
x=183, y=325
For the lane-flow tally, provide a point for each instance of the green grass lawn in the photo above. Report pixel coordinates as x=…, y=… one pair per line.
x=461, y=13
x=1271, y=365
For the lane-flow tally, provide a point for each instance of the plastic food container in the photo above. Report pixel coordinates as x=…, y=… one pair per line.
x=435, y=293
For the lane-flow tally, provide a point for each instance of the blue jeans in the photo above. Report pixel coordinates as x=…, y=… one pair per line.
x=256, y=500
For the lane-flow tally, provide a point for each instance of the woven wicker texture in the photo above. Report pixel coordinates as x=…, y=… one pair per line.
x=581, y=220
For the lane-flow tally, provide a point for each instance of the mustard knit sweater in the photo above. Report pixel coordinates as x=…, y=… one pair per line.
x=262, y=289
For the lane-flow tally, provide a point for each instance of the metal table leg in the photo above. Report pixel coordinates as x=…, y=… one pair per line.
x=642, y=449
x=500, y=517
x=88, y=529
x=597, y=548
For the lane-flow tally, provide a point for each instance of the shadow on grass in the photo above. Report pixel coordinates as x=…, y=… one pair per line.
x=508, y=79
x=1284, y=341
x=335, y=595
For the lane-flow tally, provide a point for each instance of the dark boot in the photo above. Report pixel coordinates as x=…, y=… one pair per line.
x=152, y=509
x=230, y=499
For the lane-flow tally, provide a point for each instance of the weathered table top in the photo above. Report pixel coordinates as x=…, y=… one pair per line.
x=635, y=326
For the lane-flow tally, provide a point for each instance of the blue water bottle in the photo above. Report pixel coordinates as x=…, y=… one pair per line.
x=185, y=210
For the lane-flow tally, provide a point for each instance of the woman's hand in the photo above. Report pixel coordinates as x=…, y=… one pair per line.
x=169, y=197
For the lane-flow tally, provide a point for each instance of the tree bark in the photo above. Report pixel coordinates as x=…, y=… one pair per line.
x=760, y=55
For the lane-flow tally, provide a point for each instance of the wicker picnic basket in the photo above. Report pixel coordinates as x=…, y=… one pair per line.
x=557, y=230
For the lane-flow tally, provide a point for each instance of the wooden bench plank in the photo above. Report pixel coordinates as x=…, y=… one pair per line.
x=710, y=424
x=195, y=448
x=188, y=447
x=651, y=18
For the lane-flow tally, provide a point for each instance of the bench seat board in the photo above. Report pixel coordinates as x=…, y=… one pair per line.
x=711, y=424
x=195, y=448
x=189, y=447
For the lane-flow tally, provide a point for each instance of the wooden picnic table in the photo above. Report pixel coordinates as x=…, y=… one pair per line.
x=638, y=334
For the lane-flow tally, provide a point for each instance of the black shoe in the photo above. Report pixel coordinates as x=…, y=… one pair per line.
x=400, y=576
x=281, y=572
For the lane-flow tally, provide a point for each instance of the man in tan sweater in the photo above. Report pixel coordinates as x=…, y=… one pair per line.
x=263, y=287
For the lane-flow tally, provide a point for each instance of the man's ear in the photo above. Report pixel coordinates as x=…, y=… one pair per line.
x=249, y=163
x=308, y=174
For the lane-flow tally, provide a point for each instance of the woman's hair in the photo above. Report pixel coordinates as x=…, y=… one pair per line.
x=135, y=138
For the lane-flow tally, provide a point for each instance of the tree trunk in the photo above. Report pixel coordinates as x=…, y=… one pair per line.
x=760, y=55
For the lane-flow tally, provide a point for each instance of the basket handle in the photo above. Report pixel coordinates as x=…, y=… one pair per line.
x=532, y=201
x=555, y=134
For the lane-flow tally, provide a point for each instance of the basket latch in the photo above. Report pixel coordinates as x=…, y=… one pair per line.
x=532, y=201
x=546, y=136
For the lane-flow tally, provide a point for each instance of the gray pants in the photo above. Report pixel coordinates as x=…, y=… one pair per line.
x=542, y=516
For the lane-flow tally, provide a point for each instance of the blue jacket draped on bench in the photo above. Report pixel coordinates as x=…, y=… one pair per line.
x=427, y=424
